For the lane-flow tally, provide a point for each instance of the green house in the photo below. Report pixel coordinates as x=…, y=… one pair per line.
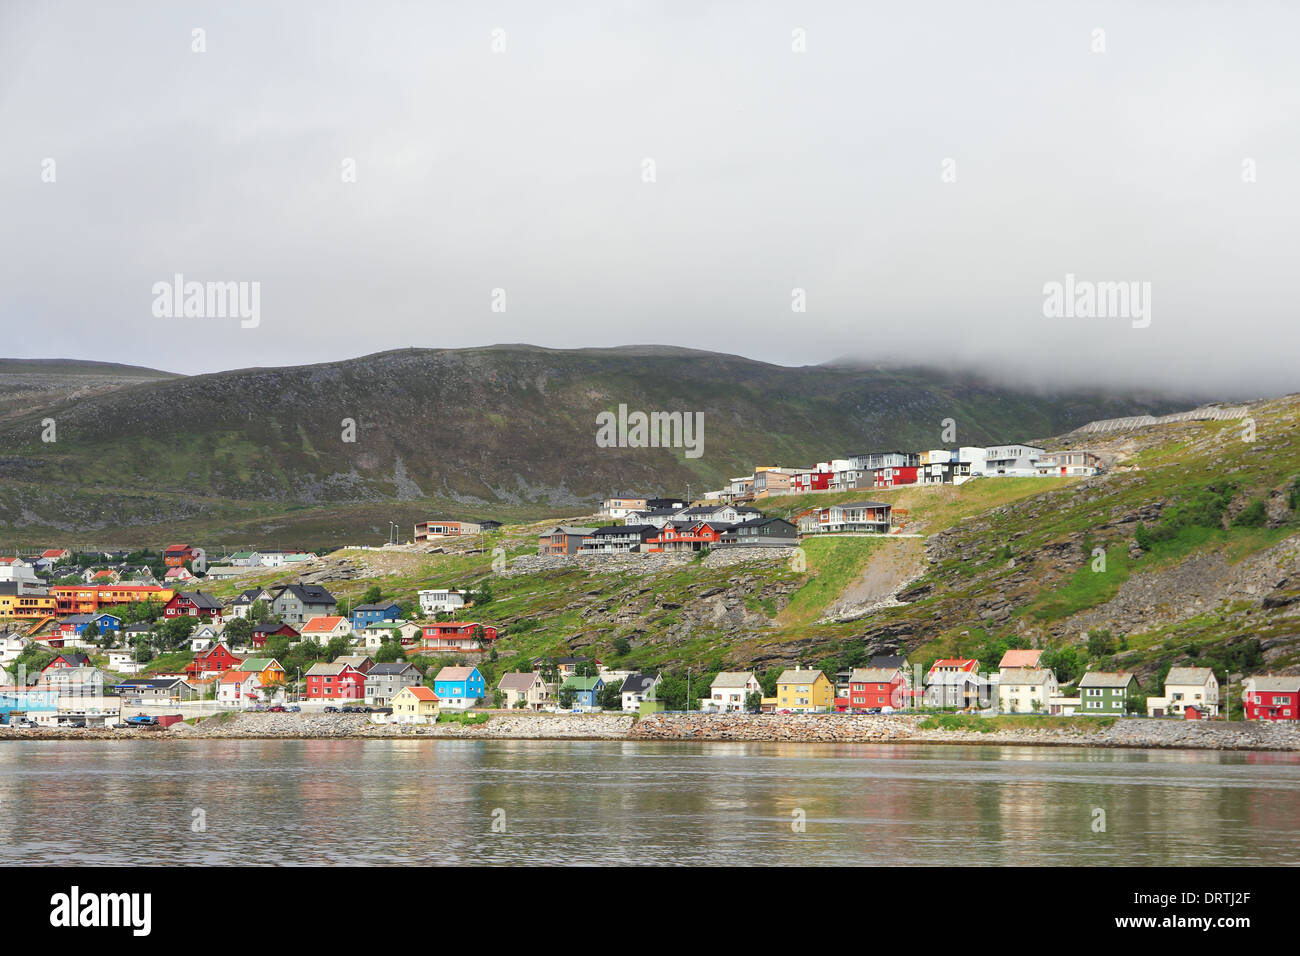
x=1106, y=692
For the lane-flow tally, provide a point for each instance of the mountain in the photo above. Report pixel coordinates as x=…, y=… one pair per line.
x=259, y=455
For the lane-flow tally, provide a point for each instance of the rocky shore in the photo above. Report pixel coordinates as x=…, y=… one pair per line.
x=788, y=728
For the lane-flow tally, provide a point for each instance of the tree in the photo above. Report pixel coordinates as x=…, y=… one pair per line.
x=482, y=594
x=260, y=612
x=498, y=698
x=1101, y=643
x=753, y=702
x=565, y=698
x=239, y=632
x=622, y=647
x=1064, y=663
x=91, y=632
x=373, y=595
x=389, y=651
x=610, y=696
x=337, y=647
x=176, y=631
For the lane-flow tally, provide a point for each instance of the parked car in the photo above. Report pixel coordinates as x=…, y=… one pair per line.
x=295, y=709
x=331, y=709
x=276, y=709
x=142, y=720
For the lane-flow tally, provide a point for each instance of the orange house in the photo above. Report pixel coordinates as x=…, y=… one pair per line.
x=88, y=599
x=177, y=554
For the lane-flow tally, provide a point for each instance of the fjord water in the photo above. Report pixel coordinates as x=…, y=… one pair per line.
x=383, y=802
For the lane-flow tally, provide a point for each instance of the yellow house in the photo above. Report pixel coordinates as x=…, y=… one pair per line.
x=267, y=668
x=27, y=606
x=415, y=705
x=804, y=691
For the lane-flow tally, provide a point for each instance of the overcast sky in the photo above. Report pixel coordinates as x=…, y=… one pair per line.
x=524, y=170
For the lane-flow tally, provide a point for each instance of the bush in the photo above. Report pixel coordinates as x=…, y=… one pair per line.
x=1252, y=516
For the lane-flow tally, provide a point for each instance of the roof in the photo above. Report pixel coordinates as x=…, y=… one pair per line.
x=582, y=683
x=962, y=663
x=1026, y=675
x=615, y=530
x=199, y=599
x=518, y=680
x=799, y=676
x=888, y=660
x=320, y=624
x=1020, y=658
x=307, y=593
x=321, y=669
x=1189, y=675
x=456, y=673
x=257, y=663
x=638, y=683
x=356, y=660
x=421, y=692
x=1269, y=683
x=237, y=677
x=1106, y=679
x=873, y=675
x=732, y=678
x=862, y=504
x=376, y=607
x=567, y=529
x=392, y=668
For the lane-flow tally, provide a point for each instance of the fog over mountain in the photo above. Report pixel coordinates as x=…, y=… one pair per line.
x=632, y=173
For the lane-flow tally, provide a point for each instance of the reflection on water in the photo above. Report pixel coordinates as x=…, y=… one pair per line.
x=610, y=802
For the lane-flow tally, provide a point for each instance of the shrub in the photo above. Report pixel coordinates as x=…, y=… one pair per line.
x=1252, y=516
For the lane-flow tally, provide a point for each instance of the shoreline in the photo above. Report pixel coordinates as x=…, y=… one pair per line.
x=1124, y=734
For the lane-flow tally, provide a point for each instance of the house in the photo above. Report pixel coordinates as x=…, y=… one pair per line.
x=335, y=682
x=66, y=660
x=11, y=646
x=27, y=604
x=863, y=517
x=1062, y=706
x=804, y=691
x=1082, y=464
x=124, y=662
x=562, y=540
x=212, y=662
x=1026, y=690
x=1106, y=692
x=676, y=536
x=762, y=533
x=415, y=704
x=87, y=599
x=586, y=691
x=178, y=576
x=618, y=539
x=263, y=631
x=956, y=682
x=203, y=637
x=326, y=628
x=298, y=603
x=873, y=688
x=87, y=681
x=155, y=690
x=360, y=662
x=1187, y=687
x=619, y=508
x=239, y=689
x=193, y=604
x=459, y=688
x=524, y=690
x=365, y=614
x=428, y=530
x=102, y=576
x=383, y=681
x=1271, y=698
x=441, y=600
x=893, y=477
x=75, y=625
x=403, y=632
x=176, y=555
x=268, y=670
x=1012, y=460
x=243, y=605
x=637, y=689
x=457, y=636
x=730, y=690
x=567, y=666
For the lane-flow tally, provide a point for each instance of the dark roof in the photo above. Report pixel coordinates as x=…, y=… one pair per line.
x=863, y=504
x=376, y=607
x=759, y=522
x=888, y=660
x=307, y=593
x=637, y=683
x=151, y=682
x=76, y=658
x=250, y=596
x=200, y=600
x=623, y=529
x=271, y=627
x=393, y=667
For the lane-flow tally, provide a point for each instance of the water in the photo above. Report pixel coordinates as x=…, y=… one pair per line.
x=610, y=802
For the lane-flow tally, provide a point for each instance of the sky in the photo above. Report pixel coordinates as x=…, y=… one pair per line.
x=792, y=182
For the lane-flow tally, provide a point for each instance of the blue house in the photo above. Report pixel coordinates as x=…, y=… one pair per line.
x=458, y=688
x=32, y=702
x=74, y=624
x=586, y=690
x=363, y=615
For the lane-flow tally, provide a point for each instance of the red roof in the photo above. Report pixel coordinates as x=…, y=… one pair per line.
x=960, y=663
x=422, y=692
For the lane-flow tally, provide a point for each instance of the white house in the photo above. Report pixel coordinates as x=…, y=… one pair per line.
x=526, y=687
x=1026, y=690
x=441, y=600
x=638, y=688
x=11, y=645
x=1011, y=460
x=240, y=689
x=1184, y=686
x=81, y=680
x=124, y=662
x=729, y=689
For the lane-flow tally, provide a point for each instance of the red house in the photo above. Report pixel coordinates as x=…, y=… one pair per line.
x=215, y=660
x=1272, y=698
x=67, y=659
x=811, y=480
x=177, y=554
x=686, y=537
x=335, y=682
x=262, y=631
x=871, y=688
x=193, y=604
x=893, y=477
x=457, y=636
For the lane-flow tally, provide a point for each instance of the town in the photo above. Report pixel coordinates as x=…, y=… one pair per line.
x=114, y=638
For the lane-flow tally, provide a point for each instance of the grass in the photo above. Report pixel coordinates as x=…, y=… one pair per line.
x=988, y=725
x=833, y=564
